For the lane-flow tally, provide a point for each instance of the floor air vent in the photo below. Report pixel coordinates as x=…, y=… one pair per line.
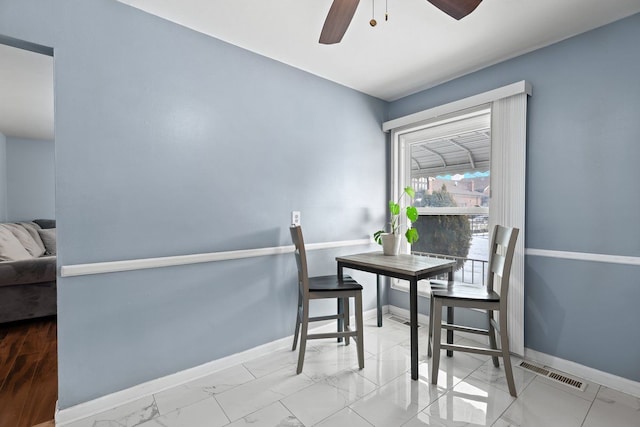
x=545, y=372
x=401, y=320
x=534, y=368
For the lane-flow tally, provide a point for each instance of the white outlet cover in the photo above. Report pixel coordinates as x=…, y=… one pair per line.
x=295, y=217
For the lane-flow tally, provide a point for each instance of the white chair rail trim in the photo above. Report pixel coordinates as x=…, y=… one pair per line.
x=144, y=263
x=584, y=256
x=403, y=286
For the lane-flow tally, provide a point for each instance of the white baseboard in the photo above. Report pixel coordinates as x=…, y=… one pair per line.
x=66, y=416
x=69, y=415
x=604, y=378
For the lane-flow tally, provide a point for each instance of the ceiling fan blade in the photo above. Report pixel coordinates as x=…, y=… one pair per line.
x=457, y=9
x=338, y=20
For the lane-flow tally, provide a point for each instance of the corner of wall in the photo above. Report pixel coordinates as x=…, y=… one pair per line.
x=3, y=178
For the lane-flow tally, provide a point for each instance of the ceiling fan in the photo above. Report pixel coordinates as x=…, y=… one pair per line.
x=341, y=13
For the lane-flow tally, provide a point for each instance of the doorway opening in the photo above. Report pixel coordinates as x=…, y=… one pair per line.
x=28, y=306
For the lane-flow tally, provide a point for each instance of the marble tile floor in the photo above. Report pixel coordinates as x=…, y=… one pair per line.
x=331, y=391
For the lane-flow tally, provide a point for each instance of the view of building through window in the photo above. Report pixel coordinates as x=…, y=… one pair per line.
x=450, y=175
x=470, y=189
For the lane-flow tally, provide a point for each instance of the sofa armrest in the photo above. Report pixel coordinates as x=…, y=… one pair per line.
x=34, y=270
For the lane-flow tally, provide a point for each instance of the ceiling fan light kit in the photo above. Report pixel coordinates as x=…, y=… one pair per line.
x=342, y=11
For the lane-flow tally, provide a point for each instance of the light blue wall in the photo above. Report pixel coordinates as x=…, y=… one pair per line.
x=30, y=179
x=582, y=190
x=169, y=142
x=3, y=178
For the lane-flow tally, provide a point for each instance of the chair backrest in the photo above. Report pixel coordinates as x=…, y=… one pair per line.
x=503, y=244
x=301, y=258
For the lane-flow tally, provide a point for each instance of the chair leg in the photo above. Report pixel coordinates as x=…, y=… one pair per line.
x=360, y=334
x=430, y=326
x=492, y=338
x=340, y=303
x=296, y=331
x=450, y=320
x=346, y=319
x=437, y=331
x=504, y=343
x=303, y=337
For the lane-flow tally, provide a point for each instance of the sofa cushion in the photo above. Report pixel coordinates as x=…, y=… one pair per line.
x=48, y=237
x=28, y=237
x=10, y=247
x=33, y=228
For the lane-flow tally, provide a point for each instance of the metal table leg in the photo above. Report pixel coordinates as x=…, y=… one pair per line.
x=340, y=304
x=450, y=318
x=413, y=314
x=379, y=299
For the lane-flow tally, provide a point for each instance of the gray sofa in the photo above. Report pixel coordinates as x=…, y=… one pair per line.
x=27, y=270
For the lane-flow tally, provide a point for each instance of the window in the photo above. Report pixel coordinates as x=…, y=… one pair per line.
x=506, y=167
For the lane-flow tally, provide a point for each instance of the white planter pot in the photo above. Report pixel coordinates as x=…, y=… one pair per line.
x=390, y=243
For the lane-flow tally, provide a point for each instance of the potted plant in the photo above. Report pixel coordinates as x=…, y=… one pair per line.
x=391, y=241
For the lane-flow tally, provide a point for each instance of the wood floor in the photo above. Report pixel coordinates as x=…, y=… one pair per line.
x=28, y=372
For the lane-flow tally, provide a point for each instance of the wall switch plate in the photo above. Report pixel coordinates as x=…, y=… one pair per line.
x=295, y=217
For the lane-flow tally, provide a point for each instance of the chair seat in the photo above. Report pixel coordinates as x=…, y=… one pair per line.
x=466, y=293
x=331, y=283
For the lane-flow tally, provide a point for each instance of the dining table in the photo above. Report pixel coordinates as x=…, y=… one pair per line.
x=410, y=267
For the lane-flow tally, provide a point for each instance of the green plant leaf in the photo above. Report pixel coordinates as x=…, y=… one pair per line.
x=410, y=191
x=412, y=213
x=376, y=236
x=412, y=235
x=394, y=208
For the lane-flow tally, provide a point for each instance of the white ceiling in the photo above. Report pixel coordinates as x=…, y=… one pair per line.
x=419, y=47
x=26, y=94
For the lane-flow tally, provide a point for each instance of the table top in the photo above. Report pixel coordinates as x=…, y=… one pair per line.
x=406, y=264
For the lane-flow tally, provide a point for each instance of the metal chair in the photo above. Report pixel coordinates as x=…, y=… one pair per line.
x=323, y=287
x=503, y=243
